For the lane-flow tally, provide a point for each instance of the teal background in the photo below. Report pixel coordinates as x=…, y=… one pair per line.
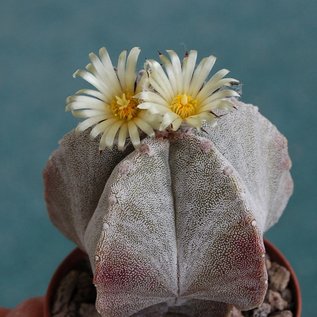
x=269, y=45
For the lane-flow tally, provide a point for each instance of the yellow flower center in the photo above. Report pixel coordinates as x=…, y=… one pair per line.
x=184, y=105
x=124, y=107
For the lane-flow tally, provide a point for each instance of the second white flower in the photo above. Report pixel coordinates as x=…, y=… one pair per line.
x=182, y=94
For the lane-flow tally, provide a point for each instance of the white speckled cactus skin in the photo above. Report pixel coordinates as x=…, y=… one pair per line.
x=177, y=225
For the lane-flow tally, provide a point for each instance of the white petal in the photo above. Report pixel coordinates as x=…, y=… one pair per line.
x=106, y=61
x=201, y=73
x=177, y=123
x=153, y=107
x=84, y=102
x=108, y=87
x=170, y=73
x=204, y=92
x=89, y=123
x=91, y=92
x=102, y=127
x=108, y=137
x=207, y=116
x=162, y=91
x=133, y=133
x=215, y=85
x=177, y=68
x=88, y=113
x=223, y=104
x=90, y=68
x=153, y=119
x=220, y=95
x=145, y=115
x=84, y=105
x=144, y=126
x=130, y=75
x=141, y=82
x=194, y=122
x=204, y=116
x=152, y=97
x=121, y=69
x=123, y=133
x=198, y=120
x=188, y=69
x=168, y=119
x=158, y=74
x=90, y=78
x=98, y=67
x=86, y=99
x=105, y=74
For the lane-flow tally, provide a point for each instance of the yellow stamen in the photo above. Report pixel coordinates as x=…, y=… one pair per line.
x=184, y=105
x=124, y=107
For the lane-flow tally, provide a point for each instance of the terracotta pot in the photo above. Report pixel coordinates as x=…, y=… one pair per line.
x=277, y=256
x=32, y=307
x=40, y=306
x=73, y=261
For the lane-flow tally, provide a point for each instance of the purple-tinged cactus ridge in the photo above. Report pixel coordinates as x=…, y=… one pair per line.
x=166, y=240
x=136, y=263
x=259, y=153
x=74, y=179
x=178, y=223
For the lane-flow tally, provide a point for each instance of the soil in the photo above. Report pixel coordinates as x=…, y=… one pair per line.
x=76, y=295
x=278, y=301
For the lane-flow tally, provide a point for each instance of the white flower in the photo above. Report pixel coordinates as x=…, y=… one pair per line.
x=112, y=110
x=181, y=93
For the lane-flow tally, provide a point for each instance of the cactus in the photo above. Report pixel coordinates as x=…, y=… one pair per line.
x=172, y=217
x=175, y=225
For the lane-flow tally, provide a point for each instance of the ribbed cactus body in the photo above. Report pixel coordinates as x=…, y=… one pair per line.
x=177, y=223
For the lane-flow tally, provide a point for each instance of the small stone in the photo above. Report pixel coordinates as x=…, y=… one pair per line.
x=279, y=277
x=86, y=310
x=72, y=309
x=262, y=311
x=86, y=291
x=75, y=289
x=235, y=312
x=268, y=262
x=64, y=292
x=287, y=295
x=284, y=313
x=276, y=301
